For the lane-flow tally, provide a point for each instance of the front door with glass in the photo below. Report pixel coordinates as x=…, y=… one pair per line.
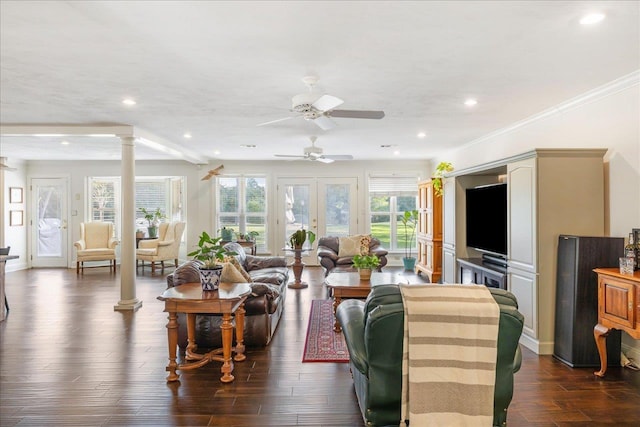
x=49, y=231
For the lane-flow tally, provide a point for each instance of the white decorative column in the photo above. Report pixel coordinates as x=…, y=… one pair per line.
x=128, y=300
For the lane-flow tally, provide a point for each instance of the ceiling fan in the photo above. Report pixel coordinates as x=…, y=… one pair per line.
x=314, y=153
x=319, y=108
x=4, y=166
x=213, y=172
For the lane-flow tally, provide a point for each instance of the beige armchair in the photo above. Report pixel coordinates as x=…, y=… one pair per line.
x=164, y=248
x=96, y=244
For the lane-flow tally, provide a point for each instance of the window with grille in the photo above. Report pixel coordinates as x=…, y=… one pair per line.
x=150, y=193
x=242, y=206
x=389, y=198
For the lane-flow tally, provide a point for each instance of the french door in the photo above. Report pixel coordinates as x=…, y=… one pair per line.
x=325, y=206
x=49, y=231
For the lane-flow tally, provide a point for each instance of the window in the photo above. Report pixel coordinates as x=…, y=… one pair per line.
x=242, y=206
x=150, y=192
x=389, y=197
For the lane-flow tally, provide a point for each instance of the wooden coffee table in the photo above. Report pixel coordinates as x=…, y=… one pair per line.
x=348, y=285
x=191, y=299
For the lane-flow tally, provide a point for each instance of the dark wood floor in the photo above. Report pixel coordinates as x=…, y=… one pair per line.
x=66, y=358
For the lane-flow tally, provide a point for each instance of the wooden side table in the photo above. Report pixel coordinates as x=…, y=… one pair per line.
x=297, y=266
x=618, y=308
x=191, y=299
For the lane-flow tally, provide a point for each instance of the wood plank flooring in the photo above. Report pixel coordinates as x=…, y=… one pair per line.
x=68, y=359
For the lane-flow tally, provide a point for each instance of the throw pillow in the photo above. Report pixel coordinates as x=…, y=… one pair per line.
x=350, y=246
x=230, y=274
x=233, y=260
x=365, y=242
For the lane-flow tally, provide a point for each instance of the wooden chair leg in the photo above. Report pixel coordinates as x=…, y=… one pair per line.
x=77, y=267
x=162, y=266
x=175, y=261
x=153, y=267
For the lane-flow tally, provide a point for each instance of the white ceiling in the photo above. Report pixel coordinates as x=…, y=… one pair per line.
x=216, y=69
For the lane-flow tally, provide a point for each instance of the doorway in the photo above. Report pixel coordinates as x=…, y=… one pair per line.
x=49, y=231
x=325, y=206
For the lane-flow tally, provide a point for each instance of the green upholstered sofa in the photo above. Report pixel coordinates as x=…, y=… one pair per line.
x=373, y=331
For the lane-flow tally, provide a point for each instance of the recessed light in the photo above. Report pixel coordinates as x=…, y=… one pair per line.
x=187, y=135
x=396, y=153
x=421, y=135
x=129, y=101
x=592, y=18
x=388, y=145
x=470, y=102
x=217, y=152
x=65, y=143
x=248, y=145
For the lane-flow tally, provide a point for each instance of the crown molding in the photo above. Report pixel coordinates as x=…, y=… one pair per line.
x=608, y=89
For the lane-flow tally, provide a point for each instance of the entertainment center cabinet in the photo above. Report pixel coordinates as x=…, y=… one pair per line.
x=549, y=192
x=476, y=270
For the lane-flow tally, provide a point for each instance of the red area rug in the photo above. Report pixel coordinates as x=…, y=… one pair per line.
x=322, y=343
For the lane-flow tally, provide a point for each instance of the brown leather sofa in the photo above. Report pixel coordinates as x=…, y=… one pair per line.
x=263, y=308
x=328, y=250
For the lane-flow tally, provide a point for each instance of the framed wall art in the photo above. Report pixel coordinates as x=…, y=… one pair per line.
x=15, y=218
x=15, y=194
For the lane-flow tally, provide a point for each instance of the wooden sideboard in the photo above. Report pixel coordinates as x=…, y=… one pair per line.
x=618, y=308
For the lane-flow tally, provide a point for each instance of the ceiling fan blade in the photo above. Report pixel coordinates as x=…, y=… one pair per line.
x=275, y=121
x=356, y=114
x=324, y=123
x=327, y=102
x=290, y=156
x=324, y=159
x=339, y=157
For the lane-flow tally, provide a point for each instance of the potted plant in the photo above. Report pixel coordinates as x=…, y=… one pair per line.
x=365, y=265
x=297, y=239
x=139, y=233
x=211, y=253
x=227, y=234
x=441, y=169
x=251, y=236
x=410, y=221
x=153, y=219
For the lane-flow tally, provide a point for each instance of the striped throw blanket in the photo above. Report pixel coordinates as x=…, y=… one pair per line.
x=449, y=357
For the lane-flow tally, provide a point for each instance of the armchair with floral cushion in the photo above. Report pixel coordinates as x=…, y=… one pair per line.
x=336, y=253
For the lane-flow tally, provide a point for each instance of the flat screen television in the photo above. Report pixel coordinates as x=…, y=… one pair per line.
x=487, y=218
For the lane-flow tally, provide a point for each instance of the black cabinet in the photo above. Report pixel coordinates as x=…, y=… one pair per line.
x=577, y=299
x=475, y=270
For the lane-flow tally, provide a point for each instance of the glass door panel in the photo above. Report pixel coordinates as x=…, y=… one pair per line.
x=49, y=222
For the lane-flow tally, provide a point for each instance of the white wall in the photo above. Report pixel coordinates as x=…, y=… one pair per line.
x=200, y=203
x=14, y=236
x=612, y=122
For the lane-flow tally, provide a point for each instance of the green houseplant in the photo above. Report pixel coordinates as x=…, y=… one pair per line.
x=153, y=219
x=365, y=265
x=441, y=169
x=212, y=254
x=297, y=239
x=409, y=221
